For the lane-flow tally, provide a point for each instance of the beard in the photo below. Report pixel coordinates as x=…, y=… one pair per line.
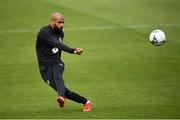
x=57, y=30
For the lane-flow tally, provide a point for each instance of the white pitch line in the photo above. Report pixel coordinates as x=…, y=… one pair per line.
x=18, y=31
x=66, y=29
x=91, y=28
x=151, y=26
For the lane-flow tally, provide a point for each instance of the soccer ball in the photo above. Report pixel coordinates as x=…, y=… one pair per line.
x=157, y=37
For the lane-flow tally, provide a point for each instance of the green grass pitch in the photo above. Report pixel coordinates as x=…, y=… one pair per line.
x=120, y=71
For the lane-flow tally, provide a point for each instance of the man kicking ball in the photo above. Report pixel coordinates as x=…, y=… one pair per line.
x=49, y=46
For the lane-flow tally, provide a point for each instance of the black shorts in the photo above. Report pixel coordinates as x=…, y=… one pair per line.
x=53, y=71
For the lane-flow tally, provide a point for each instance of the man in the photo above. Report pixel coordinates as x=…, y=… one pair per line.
x=48, y=48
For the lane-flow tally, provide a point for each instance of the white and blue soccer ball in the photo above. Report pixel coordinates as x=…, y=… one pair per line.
x=157, y=37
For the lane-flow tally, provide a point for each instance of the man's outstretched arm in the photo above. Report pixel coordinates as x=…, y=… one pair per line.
x=51, y=40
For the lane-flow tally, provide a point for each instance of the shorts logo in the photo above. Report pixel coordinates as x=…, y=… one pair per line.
x=48, y=82
x=55, y=50
x=60, y=64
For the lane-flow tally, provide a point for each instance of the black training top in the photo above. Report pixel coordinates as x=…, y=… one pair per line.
x=49, y=46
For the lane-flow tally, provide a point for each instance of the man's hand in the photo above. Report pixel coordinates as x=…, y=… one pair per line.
x=78, y=51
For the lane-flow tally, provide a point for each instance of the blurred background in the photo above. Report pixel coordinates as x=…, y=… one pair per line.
x=120, y=70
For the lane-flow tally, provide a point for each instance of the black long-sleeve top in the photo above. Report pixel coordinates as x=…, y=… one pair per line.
x=49, y=46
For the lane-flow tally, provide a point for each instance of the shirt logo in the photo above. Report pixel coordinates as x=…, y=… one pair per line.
x=60, y=39
x=55, y=50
